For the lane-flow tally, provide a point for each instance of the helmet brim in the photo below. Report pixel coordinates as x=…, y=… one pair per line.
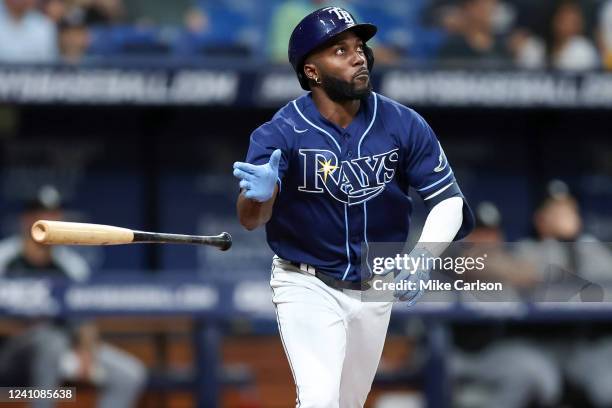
x=365, y=31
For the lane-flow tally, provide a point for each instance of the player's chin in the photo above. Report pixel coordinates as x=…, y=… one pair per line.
x=361, y=82
x=362, y=88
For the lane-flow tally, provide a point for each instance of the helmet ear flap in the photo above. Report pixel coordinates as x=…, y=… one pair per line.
x=369, y=54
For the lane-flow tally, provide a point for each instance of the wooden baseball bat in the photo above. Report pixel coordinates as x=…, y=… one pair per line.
x=76, y=233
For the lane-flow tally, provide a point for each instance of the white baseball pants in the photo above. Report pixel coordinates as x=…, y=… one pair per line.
x=332, y=339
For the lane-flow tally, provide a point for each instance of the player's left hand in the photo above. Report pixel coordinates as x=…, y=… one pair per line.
x=258, y=182
x=420, y=275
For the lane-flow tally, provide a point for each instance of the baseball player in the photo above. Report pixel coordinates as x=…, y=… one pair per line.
x=330, y=172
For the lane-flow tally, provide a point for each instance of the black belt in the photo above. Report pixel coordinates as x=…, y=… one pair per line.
x=329, y=281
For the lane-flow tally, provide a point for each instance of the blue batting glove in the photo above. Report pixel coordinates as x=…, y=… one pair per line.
x=258, y=182
x=420, y=275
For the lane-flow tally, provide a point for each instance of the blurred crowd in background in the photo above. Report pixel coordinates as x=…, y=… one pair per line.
x=571, y=35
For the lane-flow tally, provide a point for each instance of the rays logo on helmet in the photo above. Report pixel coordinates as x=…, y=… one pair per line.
x=351, y=182
x=341, y=14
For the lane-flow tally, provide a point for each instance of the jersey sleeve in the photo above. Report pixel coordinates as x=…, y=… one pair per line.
x=265, y=140
x=428, y=171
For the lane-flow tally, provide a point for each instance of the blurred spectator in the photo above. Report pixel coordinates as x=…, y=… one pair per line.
x=528, y=38
x=196, y=20
x=475, y=40
x=605, y=34
x=54, y=9
x=568, y=48
x=74, y=38
x=52, y=352
x=529, y=50
x=26, y=36
x=561, y=241
x=502, y=265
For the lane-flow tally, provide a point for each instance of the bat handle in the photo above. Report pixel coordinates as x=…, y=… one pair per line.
x=222, y=241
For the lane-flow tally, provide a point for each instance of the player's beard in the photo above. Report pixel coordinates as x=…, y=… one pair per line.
x=339, y=90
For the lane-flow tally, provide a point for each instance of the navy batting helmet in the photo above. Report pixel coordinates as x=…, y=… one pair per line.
x=319, y=27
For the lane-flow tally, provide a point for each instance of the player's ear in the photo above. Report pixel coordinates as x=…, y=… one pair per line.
x=311, y=72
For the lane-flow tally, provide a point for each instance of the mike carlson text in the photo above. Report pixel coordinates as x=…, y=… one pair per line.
x=437, y=285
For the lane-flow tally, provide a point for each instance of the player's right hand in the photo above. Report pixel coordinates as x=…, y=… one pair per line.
x=258, y=182
x=410, y=297
x=418, y=276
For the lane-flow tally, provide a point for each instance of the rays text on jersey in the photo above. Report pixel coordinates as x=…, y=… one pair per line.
x=349, y=181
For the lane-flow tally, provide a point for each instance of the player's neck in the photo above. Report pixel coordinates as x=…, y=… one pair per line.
x=340, y=113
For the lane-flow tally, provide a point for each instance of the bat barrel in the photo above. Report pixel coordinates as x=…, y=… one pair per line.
x=39, y=232
x=76, y=233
